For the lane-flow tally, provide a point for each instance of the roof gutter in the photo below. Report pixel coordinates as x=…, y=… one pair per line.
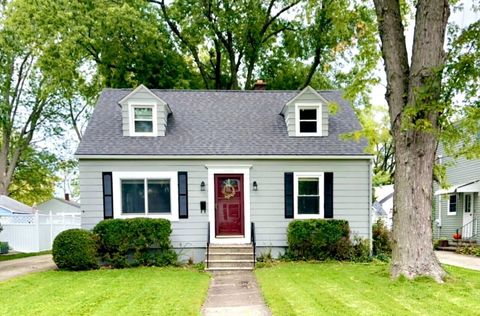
x=230, y=157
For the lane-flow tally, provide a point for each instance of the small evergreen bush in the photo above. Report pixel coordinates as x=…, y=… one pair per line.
x=136, y=241
x=381, y=239
x=75, y=249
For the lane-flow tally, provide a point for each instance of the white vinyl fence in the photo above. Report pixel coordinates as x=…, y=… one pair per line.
x=35, y=232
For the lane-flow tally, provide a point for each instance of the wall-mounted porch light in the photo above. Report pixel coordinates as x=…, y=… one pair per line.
x=255, y=186
x=202, y=186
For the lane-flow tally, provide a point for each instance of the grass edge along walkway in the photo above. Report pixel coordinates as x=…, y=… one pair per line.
x=136, y=291
x=364, y=289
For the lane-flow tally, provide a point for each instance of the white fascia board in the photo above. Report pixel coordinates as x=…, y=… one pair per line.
x=233, y=157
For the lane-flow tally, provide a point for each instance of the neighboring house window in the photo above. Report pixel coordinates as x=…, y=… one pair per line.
x=143, y=120
x=308, y=193
x=452, y=204
x=153, y=194
x=308, y=120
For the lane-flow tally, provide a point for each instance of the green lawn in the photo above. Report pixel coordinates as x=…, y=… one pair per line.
x=365, y=289
x=140, y=291
x=7, y=257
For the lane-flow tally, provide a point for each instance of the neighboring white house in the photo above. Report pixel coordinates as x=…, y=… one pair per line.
x=383, y=205
x=9, y=206
x=59, y=206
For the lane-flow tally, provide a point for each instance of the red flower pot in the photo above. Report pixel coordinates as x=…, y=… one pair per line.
x=457, y=236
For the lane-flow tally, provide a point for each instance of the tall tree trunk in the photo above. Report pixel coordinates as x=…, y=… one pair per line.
x=4, y=167
x=416, y=86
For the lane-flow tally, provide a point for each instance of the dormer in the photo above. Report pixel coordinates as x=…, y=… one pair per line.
x=306, y=114
x=144, y=113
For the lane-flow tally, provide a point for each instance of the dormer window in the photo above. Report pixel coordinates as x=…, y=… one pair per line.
x=308, y=120
x=143, y=119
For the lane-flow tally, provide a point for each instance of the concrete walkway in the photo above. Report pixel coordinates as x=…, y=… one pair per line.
x=454, y=259
x=16, y=267
x=234, y=293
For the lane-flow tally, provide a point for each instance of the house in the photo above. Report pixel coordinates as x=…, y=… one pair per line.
x=9, y=206
x=457, y=208
x=224, y=166
x=59, y=206
x=383, y=205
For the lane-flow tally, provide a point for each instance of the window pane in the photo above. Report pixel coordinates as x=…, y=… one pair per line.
x=143, y=127
x=143, y=113
x=453, y=203
x=310, y=114
x=133, y=196
x=308, y=127
x=468, y=203
x=308, y=205
x=308, y=186
x=159, y=196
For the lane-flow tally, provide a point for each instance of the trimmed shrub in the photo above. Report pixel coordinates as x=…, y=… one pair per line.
x=4, y=247
x=136, y=241
x=381, y=239
x=319, y=239
x=75, y=249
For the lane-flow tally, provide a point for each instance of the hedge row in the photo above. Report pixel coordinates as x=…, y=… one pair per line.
x=116, y=242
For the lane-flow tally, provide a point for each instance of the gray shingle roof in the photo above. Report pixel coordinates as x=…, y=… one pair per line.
x=219, y=123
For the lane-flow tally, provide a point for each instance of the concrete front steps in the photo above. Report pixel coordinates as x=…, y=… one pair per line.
x=229, y=257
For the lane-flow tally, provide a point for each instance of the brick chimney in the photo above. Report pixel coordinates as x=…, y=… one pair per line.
x=260, y=85
x=67, y=197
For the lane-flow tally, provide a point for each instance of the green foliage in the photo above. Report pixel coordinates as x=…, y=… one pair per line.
x=3, y=247
x=35, y=177
x=360, y=250
x=75, y=249
x=146, y=240
x=471, y=250
x=265, y=256
x=382, y=243
x=319, y=239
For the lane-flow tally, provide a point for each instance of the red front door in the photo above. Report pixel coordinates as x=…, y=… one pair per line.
x=229, y=205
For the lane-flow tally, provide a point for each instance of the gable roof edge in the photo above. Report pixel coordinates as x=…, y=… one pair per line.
x=306, y=89
x=141, y=86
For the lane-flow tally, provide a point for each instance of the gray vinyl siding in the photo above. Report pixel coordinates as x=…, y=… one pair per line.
x=351, y=194
x=462, y=171
x=140, y=97
x=306, y=98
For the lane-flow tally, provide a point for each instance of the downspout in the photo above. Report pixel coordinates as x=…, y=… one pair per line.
x=370, y=234
x=439, y=223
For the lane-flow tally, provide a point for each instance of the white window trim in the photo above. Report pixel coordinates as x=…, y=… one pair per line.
x=245, y=170
x=132, y=175
x=448, y=205
x=300, y=106
x=153, y=106
x=321, y=184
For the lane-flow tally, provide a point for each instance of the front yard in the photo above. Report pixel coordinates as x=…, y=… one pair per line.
x=140, y=291
x=364, y=289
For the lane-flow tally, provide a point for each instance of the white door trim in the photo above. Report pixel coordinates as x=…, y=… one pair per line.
x=245, y=170
x=468, y=216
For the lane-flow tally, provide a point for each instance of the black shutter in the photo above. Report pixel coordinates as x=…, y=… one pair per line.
x=328, y=195
x=107, y=195
x=182, y=194
x=288, y=194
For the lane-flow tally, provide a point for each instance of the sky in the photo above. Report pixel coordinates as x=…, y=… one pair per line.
x=463, y=18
